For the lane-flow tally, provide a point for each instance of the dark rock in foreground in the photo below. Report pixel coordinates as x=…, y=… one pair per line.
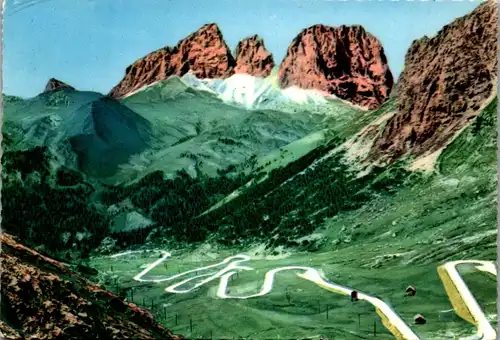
x=43, y=299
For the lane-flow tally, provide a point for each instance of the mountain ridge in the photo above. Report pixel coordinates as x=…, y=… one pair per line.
x=445, y=82
x=345, y=61
x=365, y=80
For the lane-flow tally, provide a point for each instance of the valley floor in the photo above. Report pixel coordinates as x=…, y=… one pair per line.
x=294, y=308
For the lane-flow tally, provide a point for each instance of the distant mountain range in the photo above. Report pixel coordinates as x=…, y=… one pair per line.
x=346, y=61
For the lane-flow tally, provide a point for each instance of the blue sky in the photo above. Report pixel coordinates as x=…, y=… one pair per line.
x=89, y=43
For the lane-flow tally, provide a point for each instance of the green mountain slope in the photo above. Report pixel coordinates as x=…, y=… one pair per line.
x=305, y=197
x=376, y=231
x=203, y=135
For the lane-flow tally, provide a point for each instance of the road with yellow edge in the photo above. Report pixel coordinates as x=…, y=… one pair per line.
x=461, y=298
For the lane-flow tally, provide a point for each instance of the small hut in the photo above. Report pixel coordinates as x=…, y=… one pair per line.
x=411, y=291
x=354, y=295
x=419, y=319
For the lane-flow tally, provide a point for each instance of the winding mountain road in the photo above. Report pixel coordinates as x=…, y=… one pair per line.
x=462, y=299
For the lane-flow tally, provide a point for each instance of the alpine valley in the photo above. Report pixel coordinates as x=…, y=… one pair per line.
x=111, y=203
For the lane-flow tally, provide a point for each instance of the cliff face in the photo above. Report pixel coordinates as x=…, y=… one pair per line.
x=253, y=58
x=204, y=53
x=346, y=61
x=445, y=81
x=54, y=84
x=43, y=299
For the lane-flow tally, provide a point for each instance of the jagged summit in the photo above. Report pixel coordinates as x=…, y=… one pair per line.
x=203, y=52
x=253, y=58
x=345, y=61
x=55, y=84
x=446, y=81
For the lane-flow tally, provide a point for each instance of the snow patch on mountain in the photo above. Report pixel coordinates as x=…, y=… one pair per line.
x=255, y=92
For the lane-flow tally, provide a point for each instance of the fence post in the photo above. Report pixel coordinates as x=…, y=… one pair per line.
x=327, y=311
x=191, y=324
x=374, y=327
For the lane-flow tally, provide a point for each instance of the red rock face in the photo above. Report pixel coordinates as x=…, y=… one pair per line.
x=346, y=61
x=253, y=58
x=54, y=84
x=204, y=53
x=445, y=81
x=152, y=68
x=43, y=299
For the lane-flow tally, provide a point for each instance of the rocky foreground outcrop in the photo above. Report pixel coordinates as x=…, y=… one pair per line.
x=54, y=84
x=42, y=299
x=446, y=80
x=345, y=61
x=253, y=58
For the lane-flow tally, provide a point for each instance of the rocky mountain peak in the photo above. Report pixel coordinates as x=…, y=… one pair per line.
x=345, y=61
x=203, y=52
x=55, y=84
x=445, y=82
x=253, y=58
